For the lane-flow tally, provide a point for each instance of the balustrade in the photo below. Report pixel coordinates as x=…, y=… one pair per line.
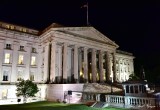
x=123, y=101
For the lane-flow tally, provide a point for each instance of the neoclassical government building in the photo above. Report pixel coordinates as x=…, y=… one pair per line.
x=58, y=57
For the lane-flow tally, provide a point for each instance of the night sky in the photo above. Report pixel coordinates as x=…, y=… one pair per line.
x=132, y=24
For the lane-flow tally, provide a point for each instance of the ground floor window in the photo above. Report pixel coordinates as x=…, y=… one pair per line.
x=32, y=76
x=4, y=94
x=5, y=75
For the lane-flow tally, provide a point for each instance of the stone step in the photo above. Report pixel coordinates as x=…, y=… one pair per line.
x=99, y=104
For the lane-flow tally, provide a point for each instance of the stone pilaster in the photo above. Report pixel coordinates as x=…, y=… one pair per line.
x=94, y=76
x=15, y=62
x=85, y=64
x=76, y=63
x=1, y=58
x=101, y=67
x=28, y=62
x=53, y=62
x=65, y=48
x=114, y=68
x=46, y=62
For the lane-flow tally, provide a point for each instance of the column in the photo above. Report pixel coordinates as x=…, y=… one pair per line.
x=76, y=63
x=94, y=66
x=46, y=62
x=114, y=67
x=53, y=62
x=108, y=68
x=65, y=63
x=101, y=66
x=129, y=89
x=85, y=64
x=1, y=58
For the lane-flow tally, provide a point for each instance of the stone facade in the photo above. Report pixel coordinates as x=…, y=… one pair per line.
x=59, y=55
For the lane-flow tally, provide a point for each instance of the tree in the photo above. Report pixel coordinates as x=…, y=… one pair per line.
x=26, y=88
x=133, y=77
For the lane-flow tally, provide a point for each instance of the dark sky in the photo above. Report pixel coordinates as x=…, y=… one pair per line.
x=133, y=24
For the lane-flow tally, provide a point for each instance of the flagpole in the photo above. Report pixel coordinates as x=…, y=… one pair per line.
x=87, y=15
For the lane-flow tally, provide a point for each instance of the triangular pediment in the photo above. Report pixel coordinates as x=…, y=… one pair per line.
x=88, y=33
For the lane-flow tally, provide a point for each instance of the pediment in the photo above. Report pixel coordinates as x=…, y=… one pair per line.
x=88, y=33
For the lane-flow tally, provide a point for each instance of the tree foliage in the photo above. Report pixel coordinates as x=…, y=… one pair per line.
x=26, y=88
x=133, y=77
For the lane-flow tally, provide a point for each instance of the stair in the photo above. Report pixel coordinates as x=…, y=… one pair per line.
x=99, y=104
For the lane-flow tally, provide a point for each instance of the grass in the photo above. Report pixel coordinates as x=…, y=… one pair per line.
x=51, y=106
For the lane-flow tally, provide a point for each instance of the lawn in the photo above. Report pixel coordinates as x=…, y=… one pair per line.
x=51, y=106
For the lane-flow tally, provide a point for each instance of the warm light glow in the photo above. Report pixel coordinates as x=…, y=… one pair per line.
x=81, y=73
x=97, y=76
x=7, y=58
x=104, y=76
x=20, y=59
x=4, y=94
x=33, y=60
x=90, y=75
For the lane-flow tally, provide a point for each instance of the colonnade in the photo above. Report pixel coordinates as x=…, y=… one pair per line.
x=96, y=60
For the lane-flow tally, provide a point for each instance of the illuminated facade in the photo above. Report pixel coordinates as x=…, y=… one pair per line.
x=59, y=55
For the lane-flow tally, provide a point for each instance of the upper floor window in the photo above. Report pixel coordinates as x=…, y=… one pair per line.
x=8, y=46
x=33, y=50
x=21, y=48
x=33, y=60
x=20, y=59
x=7, y=58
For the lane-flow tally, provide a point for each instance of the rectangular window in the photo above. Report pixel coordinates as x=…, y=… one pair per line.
x=21, y=48
x=20, y=60
x=4, y=94
x=32, y=76
x=33, y=60
x=8, y=46
x=20, y=75
x=7, y=58
x=33, y=50
x=5, y=75
x=42, y=76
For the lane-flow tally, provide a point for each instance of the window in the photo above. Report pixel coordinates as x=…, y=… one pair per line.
x=5, y=76
x=21, y=48
x=33, y=60
x=43, y=49
x=32, y=76
x=136, y=89
x=42, y=75
x=7, y=58
x=33, y=50
x=127, y=89
x=20, y=59
x=4, y=94
x=131, y=89
x=8, y=46
x=19, y=75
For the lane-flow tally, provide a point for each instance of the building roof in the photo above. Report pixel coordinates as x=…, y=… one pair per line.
x=124, y=52
x=18, y=28
x=134, y=82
